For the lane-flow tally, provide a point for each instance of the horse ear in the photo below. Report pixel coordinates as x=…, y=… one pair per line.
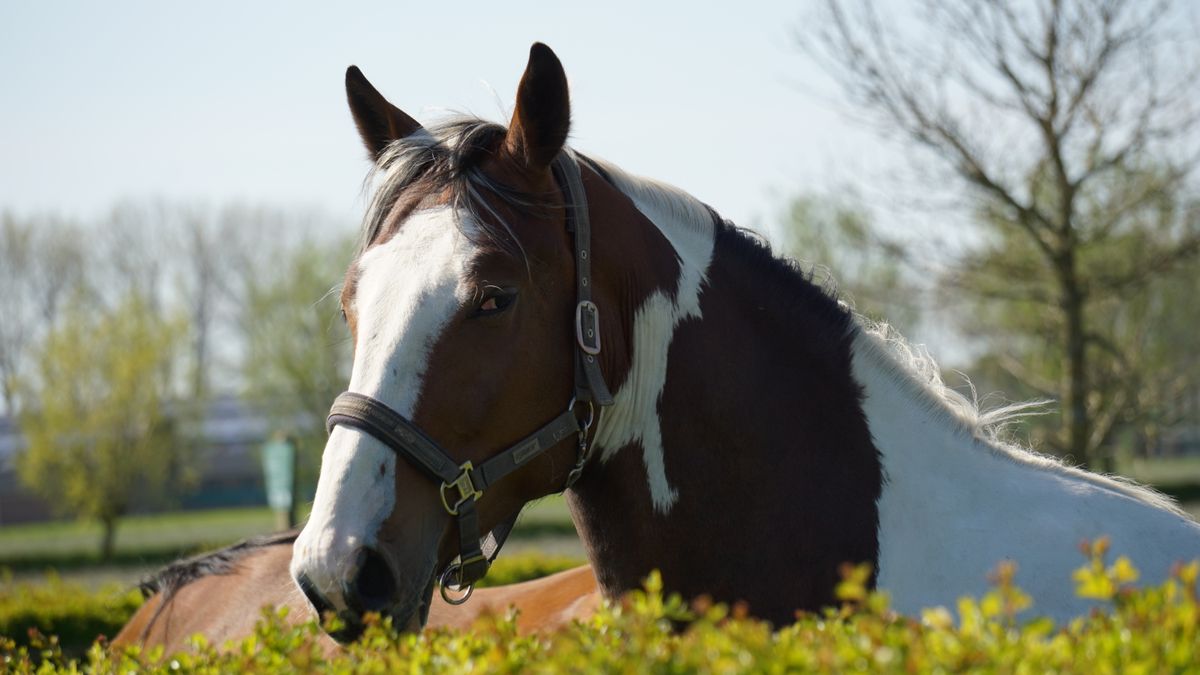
x=378, y=121
x=542, y=116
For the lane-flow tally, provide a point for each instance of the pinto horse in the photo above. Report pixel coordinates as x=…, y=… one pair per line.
x=526, y=319
x=221, y=595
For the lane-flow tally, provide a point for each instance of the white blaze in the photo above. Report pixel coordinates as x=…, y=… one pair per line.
x=408, y=289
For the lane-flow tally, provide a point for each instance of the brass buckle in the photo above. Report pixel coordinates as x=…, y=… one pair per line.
x=464, y=485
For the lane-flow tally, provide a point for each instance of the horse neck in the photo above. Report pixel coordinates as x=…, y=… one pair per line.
x=738, y=399
x=921, y=437
x=957, y=501
x=938, y=447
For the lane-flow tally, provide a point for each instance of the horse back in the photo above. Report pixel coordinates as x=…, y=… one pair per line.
x=222, y=607
x=543, y=604
x=225, y=607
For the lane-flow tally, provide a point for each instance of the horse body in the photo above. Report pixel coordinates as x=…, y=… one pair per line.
x=759, y=435
x=708, y=471
x=957, y=500
x=224, y=606
x=934, y=510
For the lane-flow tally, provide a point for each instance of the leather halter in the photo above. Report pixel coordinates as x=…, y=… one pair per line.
x=463, y=484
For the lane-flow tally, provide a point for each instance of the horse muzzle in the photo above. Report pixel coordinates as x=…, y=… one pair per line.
x=370, y=587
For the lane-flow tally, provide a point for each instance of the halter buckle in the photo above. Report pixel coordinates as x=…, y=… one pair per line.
x=587, y=327
x=464, y=485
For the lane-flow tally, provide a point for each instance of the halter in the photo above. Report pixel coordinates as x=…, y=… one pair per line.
x=463, y=484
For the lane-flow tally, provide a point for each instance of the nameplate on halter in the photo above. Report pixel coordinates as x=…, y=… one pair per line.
x=526, y=451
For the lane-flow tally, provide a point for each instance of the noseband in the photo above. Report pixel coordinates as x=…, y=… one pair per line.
x=463, y=484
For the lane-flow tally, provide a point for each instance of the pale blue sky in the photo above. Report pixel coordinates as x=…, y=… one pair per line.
x=220, y=101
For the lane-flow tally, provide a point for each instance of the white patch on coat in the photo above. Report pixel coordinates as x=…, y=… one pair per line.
x=633, y=417
x=958, y=500
x=408, y=289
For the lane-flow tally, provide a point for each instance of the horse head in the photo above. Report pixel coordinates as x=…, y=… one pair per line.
x=465, y=307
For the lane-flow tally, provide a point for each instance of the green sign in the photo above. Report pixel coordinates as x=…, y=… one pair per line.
x=279, y=472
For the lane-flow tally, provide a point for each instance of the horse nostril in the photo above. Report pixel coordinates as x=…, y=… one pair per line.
x=374, y=587
x=318, y=601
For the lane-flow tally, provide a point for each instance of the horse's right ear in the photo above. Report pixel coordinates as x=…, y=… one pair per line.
x=378, y=121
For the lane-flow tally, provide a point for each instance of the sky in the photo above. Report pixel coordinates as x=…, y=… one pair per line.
x=221, y=101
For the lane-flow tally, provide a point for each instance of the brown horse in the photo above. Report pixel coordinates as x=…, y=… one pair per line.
x=221, y=596
x=526, y=320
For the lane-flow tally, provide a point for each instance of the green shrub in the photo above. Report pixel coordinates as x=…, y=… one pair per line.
x=74, y=616
x=1150, y=630
x=516, y=568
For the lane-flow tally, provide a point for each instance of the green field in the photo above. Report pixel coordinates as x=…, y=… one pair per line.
x=146, y=542
x=1167, y=472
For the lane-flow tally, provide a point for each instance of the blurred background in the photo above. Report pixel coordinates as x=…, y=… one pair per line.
x=1011, y=183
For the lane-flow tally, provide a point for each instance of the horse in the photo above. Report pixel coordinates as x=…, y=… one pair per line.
x=221, y=595
x=527, y=320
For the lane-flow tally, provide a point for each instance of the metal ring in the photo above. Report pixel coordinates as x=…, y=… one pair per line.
x=591, y=416
x=445, y=585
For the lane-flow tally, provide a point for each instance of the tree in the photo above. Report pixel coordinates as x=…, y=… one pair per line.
x=217, y=253
x=1066, y=122
x=99, y=425
x=297, y=348
x=41, y=263
x=836, y=238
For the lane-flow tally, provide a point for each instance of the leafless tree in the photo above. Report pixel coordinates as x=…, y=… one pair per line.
x=1063, y=122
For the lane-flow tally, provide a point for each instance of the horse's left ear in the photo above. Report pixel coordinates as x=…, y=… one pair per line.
x=542, y=116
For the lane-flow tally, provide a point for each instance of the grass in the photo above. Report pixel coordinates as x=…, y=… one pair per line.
x=1163, y=471
x=148, y=541
x=156, y=539
x=141, y=540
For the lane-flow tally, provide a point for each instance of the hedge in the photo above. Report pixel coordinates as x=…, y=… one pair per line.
x=1147, y=630
x=74, y=616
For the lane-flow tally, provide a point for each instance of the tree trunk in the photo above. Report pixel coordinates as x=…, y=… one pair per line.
x=1077, y=421
x=108, y=537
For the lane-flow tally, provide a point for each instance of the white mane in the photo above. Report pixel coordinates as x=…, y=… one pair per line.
x=662, y=203
x=633, y=418
x=913, y=367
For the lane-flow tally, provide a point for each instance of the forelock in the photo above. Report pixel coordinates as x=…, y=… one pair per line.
x=446, y=161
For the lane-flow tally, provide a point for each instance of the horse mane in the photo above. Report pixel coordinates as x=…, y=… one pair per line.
x=180, y=573
x=447, y=156
x=911, y=365
x=794, y=289
x=913, y=368
x=666, y=203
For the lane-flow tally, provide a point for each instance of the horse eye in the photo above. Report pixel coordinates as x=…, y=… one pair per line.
x=495, y=301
